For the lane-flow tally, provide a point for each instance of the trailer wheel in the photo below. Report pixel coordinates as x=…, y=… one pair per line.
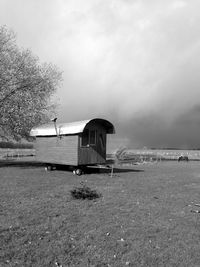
x=78, y=172
x=48, y=168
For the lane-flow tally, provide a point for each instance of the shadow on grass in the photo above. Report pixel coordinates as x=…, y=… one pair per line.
x=96, y=169
x=86, y=170
x=108, y=170
x=20, y=163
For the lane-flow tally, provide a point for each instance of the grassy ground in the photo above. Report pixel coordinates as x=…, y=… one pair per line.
x=144, y=217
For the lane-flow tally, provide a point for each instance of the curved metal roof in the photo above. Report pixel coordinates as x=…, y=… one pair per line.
x=69, y=128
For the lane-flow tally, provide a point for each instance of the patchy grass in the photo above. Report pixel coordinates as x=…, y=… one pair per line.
x=143, y=218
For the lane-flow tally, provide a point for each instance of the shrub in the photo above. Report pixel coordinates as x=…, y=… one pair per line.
x=120, y=154
x=84, y=192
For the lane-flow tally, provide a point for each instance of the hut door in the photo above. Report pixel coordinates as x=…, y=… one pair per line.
x=97, y=147
x=92, y=147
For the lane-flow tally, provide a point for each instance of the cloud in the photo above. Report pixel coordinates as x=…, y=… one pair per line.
x=152, y=131
x=135, y=62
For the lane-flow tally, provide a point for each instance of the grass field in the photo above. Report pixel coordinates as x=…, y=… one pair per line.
x=145, y=217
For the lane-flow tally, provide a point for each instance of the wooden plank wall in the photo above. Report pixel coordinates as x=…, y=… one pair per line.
x=90, y=155
x=57, y=150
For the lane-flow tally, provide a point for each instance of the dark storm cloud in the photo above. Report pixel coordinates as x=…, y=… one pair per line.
x=152, y=131
x=134, y=62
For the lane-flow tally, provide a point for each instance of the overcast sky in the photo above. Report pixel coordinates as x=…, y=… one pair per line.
x=134, y=62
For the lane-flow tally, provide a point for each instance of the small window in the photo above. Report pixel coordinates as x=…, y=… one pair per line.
x=85, y=138
x=88, y=138
x=92, y=137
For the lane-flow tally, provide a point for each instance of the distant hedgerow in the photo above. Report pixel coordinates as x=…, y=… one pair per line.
x=84, y=192
x=15, y=145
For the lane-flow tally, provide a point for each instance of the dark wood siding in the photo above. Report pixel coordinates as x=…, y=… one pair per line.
x=94, y=154
x=56, y=150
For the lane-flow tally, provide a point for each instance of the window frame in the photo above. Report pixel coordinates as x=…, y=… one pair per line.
x=89, y=138
x=95, y=137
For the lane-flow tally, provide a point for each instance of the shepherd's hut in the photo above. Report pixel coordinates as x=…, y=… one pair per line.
x=75, y=144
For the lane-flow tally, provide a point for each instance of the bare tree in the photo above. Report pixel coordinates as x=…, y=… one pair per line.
x=26, y=88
